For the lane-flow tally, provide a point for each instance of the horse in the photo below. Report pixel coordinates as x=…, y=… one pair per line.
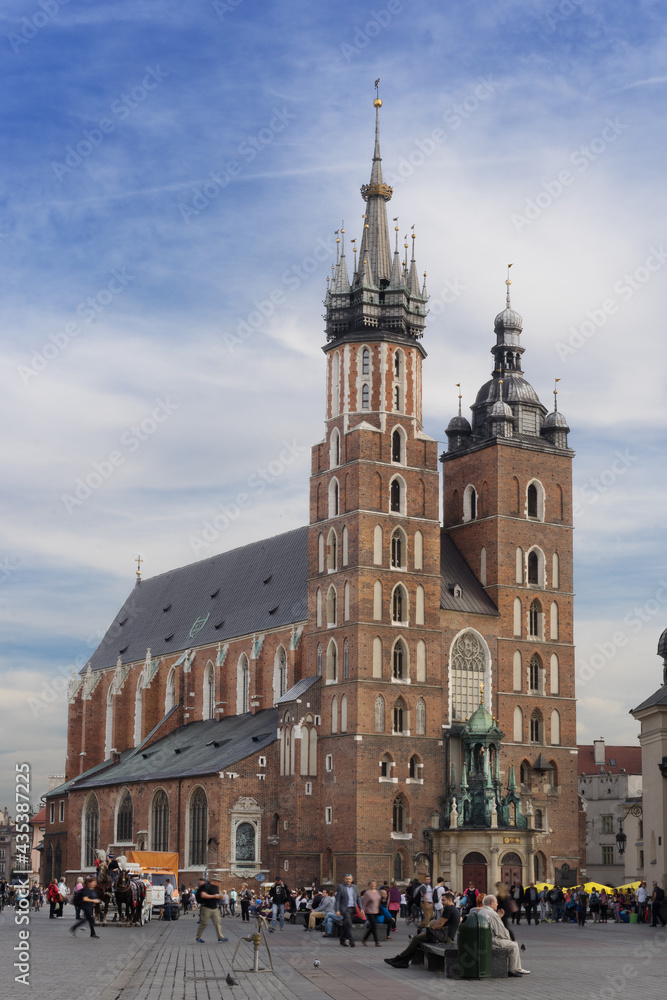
x=104, y=889
x=130, y=894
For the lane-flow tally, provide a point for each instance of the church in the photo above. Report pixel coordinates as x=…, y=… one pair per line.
x=378, y=692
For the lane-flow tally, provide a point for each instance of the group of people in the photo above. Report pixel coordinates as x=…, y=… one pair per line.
x=575, y=905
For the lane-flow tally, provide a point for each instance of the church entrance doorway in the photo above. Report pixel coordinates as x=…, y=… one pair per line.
x=510, y=869
x=474, y=870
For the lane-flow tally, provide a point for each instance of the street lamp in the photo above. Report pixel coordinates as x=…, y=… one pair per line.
x=621, y=838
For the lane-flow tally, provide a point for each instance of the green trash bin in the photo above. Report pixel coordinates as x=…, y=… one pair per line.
x=474, y=940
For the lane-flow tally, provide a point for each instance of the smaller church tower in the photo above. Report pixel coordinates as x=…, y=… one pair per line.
x=508, y=509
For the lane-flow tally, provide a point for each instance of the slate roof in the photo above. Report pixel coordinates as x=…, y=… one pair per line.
x=298, y=689
x=454, y=569
x=626, y=759
x=250, y=589
x=659, y=697
x=198, y=748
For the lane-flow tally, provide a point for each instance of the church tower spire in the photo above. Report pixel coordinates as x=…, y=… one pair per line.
x=382, y=295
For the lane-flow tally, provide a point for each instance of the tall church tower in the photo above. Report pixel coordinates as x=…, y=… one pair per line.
x=374, y=542
x=507, y=501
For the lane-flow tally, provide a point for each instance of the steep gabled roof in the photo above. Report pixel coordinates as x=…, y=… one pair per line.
x=250, y=589
x=455, y=570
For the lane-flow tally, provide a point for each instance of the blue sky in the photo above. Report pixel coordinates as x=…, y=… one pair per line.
x=171, y=172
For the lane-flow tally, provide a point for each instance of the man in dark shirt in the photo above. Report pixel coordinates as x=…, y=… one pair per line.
x=89, y=897
x=278, y=894
x=207, y=895
x=442, y=931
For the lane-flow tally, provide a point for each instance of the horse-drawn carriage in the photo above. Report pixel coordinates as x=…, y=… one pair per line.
x=125, y=886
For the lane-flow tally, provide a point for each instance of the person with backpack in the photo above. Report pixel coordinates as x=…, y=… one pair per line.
x=85, y=899
x=594, y=906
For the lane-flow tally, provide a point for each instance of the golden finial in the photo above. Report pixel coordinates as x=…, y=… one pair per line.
x=458, y=386
x=377, y=103
x=139, y=561
x=556, y=381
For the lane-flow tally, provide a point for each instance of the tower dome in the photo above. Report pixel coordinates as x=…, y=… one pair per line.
x=508, y=319
x=555, y=428
x=662, y=645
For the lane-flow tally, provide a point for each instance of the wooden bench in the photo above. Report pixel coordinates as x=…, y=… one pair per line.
x=444, y=958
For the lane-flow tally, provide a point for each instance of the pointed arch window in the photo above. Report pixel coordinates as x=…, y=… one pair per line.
x=399, y=661
x=420, y=719
x=160, y=821
x=334, y=449
x=346, y=660
x=198, y=827
x=209, y=692
x=91, y=830
x=332, y=607
x=138, y=706
x=398, y=364
x=332, y=551
x=108, y=728
x=533, y=567
x=398, y=445
x=170, y=695
x=536, y=728
x=243, y=685
x=280, y=673
x=124, y=819
x=468, y=669
x=399, y=548
x=332, y=662
x=319, y=661
x=346, y=601
x=532, y=500
x=379, y=714
x=399, y=815
x=343, y=714
x=397, y=397
x=400, y=717
x=535, y=665
x=398, y=867
x=534, y=616
x=333, y=498
x=399, y=605
x=469, y=503
x=365, y=361
x=396, y=495
x=334, y=715
x=365, y=397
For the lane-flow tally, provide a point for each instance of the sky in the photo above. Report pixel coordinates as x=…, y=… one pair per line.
x=171, y=179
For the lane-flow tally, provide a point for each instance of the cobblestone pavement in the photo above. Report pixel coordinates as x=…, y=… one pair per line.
x=162, y=961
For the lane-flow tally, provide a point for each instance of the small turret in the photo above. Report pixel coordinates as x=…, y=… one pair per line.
x=555, y=428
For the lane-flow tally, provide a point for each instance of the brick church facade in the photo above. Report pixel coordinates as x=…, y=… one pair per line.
x=377, y=692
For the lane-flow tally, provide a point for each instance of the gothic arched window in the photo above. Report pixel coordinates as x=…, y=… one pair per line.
x=399, y=608
x=399, y=661
x=468, y=664
x=400, y=716
x=535, y=672
x=92, y=830
x=399, y=816
x=198, y=827
x=379, y=714
x=365, y=361
x=534, y=620
x=160, y=822
x=420, y=717
x=396, y=495
x=365, y=397
x=124, y=819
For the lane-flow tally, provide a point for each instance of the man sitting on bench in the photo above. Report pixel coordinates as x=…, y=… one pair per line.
x=500, y=936
x=442, y=931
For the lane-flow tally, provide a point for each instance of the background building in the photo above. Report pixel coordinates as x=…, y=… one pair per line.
x=375, y=692
x=610, y=783
x=652, y=714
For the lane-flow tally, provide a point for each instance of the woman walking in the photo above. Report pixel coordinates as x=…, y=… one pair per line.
x=371, y=904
